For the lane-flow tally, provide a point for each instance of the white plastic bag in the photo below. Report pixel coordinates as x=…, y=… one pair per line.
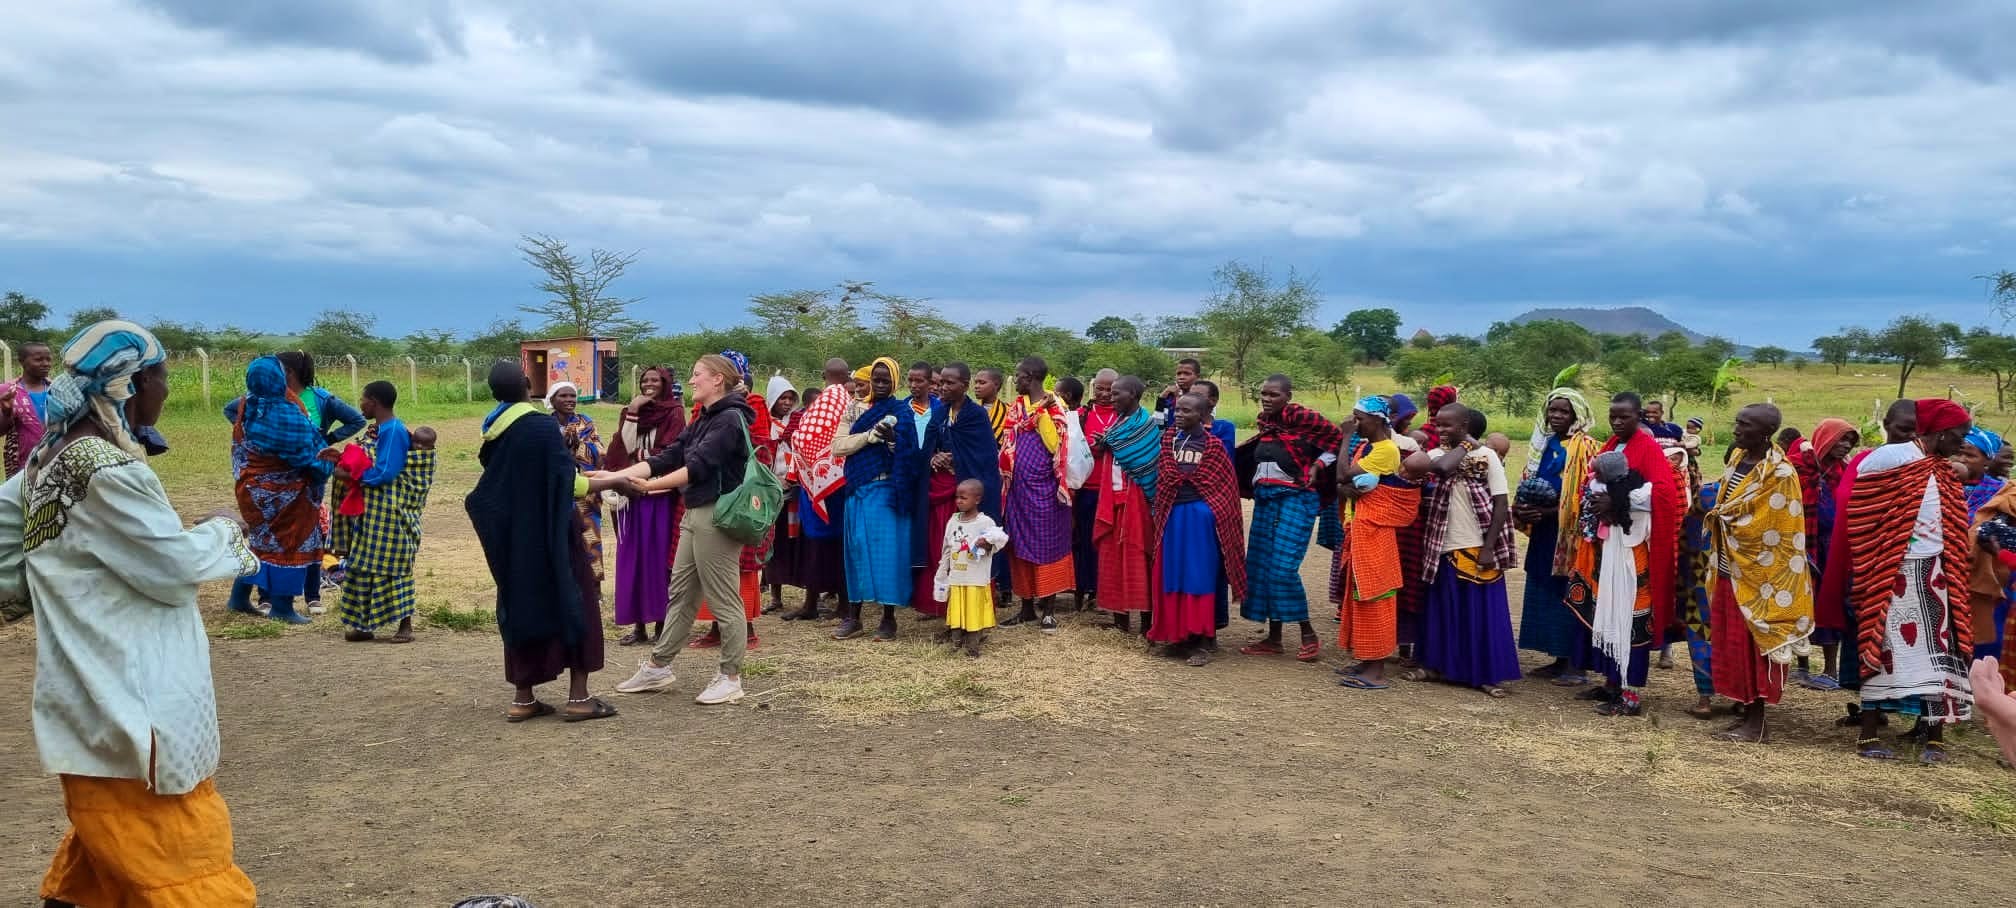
x=1077, y=452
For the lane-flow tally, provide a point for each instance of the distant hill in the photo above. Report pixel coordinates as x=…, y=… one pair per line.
x=1622, y=320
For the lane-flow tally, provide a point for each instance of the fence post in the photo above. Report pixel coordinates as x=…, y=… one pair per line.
x=204, y=355
x=468, y=381
x=635, y=371
x=413, y=376
x=355, y=389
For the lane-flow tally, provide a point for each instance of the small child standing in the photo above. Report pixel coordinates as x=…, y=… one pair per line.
x=965, y=573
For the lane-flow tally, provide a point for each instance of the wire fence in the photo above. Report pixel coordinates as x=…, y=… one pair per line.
x=199, y=380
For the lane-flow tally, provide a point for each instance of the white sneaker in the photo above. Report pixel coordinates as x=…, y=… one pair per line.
x=648, y=678
x=723, y=690
x=315, y=608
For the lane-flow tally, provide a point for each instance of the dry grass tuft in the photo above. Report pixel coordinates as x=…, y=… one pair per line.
x=1022, y=674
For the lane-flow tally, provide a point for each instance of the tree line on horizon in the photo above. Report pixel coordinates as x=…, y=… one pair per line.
x=1250, y=324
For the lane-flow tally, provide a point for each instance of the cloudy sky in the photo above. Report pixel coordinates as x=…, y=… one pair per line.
x=1765, y=169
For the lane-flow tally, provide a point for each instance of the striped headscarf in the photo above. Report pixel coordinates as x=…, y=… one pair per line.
x=1541, y=432
x=99, y=366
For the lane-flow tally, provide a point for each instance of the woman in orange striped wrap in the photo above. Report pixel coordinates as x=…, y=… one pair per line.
x=1376, y=503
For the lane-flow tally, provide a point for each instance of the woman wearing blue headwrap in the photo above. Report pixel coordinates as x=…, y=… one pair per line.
x=124, y=710
x=279, y=457
x=1978, y=452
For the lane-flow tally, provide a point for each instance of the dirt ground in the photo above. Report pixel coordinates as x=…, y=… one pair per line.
x=1069, y=769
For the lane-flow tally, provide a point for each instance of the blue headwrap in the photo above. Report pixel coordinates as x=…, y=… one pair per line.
x=1374, y=405
x=1988, y=443
x=98, y=369
x=1403, y=408
x=741, y=365
x=275, y=424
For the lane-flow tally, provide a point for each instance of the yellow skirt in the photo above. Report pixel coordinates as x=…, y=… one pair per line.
x=130, y=847
x=971, y=608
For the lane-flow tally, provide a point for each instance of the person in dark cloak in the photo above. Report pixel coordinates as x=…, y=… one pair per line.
x=533, y=537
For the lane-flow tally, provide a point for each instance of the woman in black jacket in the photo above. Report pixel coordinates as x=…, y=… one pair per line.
x=706, y=461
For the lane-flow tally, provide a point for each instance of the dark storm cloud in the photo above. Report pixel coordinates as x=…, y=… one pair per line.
x=1966, y=36
x=950, y=64
x=396, y=31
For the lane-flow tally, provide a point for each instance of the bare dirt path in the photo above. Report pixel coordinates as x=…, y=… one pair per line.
x=377, y=775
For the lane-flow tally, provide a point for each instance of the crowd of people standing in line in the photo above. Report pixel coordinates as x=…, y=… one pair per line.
x=951, y=500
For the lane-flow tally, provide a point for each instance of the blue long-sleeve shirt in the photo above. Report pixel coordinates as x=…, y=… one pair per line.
x=390, y=457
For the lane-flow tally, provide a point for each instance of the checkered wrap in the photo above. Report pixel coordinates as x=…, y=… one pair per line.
x=378, y=588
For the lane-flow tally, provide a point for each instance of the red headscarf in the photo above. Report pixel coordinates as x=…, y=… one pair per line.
x=1827, y=433
x=1937, y=414
x=1439, y=397
x=660, y=413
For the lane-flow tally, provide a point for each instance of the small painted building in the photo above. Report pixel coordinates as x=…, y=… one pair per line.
x=589, y=362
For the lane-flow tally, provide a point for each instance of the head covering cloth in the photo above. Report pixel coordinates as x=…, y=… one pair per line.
x=1988, y=443
x=1576, y=402
x=99, y=365
x=1827, y=433
x=558, y=387
x=777, y=387
x=1403, y=408
x=1937, y=414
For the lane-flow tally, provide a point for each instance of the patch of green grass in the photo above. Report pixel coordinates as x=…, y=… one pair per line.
x=965, y=684
x=1014, y=800
x=1995, y=810
x=759, y=668
x=1456, y=794
x=256, y=629
x=441, y=614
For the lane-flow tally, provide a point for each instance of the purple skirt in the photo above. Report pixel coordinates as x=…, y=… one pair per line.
x=1039, y=525
x=1466, y=631
x=644, y=536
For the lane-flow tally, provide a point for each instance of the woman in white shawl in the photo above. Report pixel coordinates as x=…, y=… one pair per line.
x=124, y=710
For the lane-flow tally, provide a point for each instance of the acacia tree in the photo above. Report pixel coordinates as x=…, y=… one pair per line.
x=1246, y=309
x=1770, y=356
x=1835, y=350
x=910, y=323
x=2002, y=293
x=1987, y=353
x=1913, y=341
x=578, y=300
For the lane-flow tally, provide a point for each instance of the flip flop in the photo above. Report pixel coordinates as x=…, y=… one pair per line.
x=1873, y=749
x=602, y=710
x=1821, y=682
x=539, y=708
x=1311, y=651
x=1575, y=680
x=1357, y=682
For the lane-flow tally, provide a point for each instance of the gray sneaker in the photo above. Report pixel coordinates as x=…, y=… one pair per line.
x=648, y=678
x=723, y=690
